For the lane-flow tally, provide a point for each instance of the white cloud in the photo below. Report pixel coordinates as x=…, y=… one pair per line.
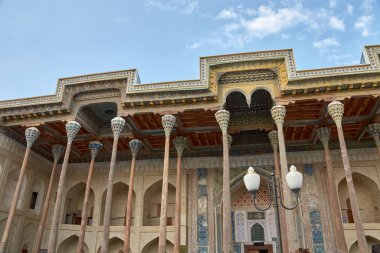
x=228, y=13
x=332, y=3
x=349, y=9
x=337, y=23
x=367, y=5
x=322, y=45
x=185, y=6
x=195, y=45
x=363, y=24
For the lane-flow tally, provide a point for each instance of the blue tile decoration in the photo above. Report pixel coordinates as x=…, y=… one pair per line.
x=236, y=248
x=316, y=230
x=309, y=169
x=233, y=226
x=202, y=216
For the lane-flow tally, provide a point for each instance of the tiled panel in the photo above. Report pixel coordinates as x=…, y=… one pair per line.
x=202, y=211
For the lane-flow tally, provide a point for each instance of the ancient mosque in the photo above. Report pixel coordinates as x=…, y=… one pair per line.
x=109, y=164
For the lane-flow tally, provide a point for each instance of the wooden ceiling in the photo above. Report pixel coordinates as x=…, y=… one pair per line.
x=201, y=128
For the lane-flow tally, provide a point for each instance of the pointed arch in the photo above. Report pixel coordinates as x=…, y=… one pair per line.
x=10, y=186
x=152, y=246
x=27, y=236
x=12, y=235
x=116, y=245
x=152, y=204
x=70, y=245
x=74, y=204
x=371, y=241
x=119, y=204
x=257, y=233
x=236, y=101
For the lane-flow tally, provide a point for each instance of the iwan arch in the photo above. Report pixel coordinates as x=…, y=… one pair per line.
x=248, y=86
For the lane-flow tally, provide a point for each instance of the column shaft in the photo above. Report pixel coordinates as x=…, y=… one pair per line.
x=363, y=247
x=128, y=217
x=177, y=222
x=284, y=236
x=107, y=209
x=227, y=231
x=41, y=226
x=58, y=203
x=4, y=239
x=85, y=207
x=164, y=199
x=377, y=141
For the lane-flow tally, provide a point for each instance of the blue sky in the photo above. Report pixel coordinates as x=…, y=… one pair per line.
x=43, y=40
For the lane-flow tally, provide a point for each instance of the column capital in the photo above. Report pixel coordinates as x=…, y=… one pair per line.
x=374, y=129
x=95, y=147
x=72, y=129
x=168, y=122
x=117, y=125
x=324, y=134
x=31, y=135
x=273, y=138
x=223, y=118
x=229, y=139
x=278, y=114
x=57, y=151
x=135, y=146
x=336, y=110
x=180, y=143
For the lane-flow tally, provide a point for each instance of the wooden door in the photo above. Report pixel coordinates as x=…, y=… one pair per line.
x=258, y=249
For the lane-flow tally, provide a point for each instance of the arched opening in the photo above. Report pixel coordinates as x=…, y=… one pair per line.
x=74, y=204
x=70, y=245
x=257, y=233
x=261, y=100
x=152, y=246
x=37, y=195
x=119, y=204
x=9, y=189
x=236, y=102
x=371, y=242
x=115, y=245
x=367, y=193
x=27, y=237
x=12, y=234
x=152, y=205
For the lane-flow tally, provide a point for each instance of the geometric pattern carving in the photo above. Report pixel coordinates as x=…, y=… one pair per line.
x=247, y=76
x=257, y=233
x=245, y=199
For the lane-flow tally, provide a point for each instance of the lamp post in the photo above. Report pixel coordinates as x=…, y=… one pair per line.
x=294, y=181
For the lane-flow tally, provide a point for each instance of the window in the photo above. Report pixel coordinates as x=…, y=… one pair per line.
x=257, y=233
x=33, y=201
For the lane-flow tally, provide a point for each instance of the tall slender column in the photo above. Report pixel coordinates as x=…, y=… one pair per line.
x=95, y=147
x=72, y=129
x=273, y=138
x=168, y=124
x=117, y=125
x=223, y=118
x=340, y=242
x=278, y=114
x=135, y=146
x=336, y=110
x=180, y=143
x=57, y=151
x=31, y=135
x=374, y=131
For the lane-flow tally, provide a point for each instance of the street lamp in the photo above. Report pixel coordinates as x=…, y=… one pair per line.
x=294, y=181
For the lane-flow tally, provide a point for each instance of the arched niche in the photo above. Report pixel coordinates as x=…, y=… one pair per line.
x=12, y=235
x=119, y=204
x=236, y=102
x=152, y=246
x=10, y=187
x=36, y=196
x=261, y=100
x=152, y=205
x=74, y=204
x=70, y=245
x=257, y=233
x=367, y=193
x=115, y=245
x=371, y=241
x=27, y=237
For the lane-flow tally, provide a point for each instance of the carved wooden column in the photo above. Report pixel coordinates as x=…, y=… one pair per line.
x=336, y=110
x=95, y=147
x=168, y=124
x=135, y=146
x=223, y=118
x=273, y=138
x=57, y=151
x=340, y=242
x=72, y=129
x=374, y=131
x=180, y=143
x=31, y=135
x=117, y=125
x=278, y=114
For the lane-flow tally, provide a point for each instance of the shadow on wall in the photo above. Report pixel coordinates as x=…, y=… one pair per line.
x=70, y=245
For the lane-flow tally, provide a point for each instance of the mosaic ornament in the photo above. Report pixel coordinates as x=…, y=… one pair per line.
x=95, y=147
x=168, y=122
x=117, y=125
x=31, y=135
x=223, y=118
x=57, y=151
x=72, y=129
x=336, y=110
x=135, y=145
